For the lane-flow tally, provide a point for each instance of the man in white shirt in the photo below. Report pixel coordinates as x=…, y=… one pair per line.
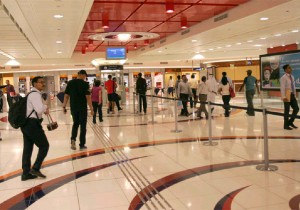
x=288, y=93
x=202, y=92
x=171, y=86
x=33, y=133
x=212, y=90
x=193, y=84
x=184, y=92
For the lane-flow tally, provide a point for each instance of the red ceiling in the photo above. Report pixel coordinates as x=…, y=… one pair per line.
x=147, y=16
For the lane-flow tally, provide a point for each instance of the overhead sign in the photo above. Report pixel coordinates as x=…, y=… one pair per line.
x=111, y=67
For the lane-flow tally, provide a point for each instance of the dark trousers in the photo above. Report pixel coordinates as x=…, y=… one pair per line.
x=249, y=98
x=143, y=101
x=184, y=98
x=97, y=108
x=202, y=98
x=171, y=91
x=79, y=118
x=192, y=103
x=226, y=99
x=33, y=134
x=293, y=103
x=9, y=100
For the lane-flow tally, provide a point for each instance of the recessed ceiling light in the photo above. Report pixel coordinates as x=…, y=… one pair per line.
x=194, y=40
x=277, y=34
x=297, y=42
x=58, y=42
x=238, y=43
x=257, y=45
x=250, y=41
x=228, y=45
x=283, y=45
x=159, y=51
x=198, y=56
x=219, y=47
x=295, y=31
x=203, y=50
x=211, y=49
x=59, y=52
x=58, y=16
x=264, y=18
x=263, y=38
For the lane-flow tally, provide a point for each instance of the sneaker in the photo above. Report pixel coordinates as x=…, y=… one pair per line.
x=25, y=177
x=73, y=145
x=83, y=147
x=37, y=173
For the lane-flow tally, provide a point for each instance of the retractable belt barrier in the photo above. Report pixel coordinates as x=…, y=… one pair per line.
x=262, y=167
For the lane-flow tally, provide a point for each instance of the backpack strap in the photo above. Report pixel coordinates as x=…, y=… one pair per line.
x=32, y=109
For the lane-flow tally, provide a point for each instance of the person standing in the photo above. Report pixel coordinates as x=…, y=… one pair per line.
x=171, y=86
x=250, y=82
x=288, y=95
x=194, y=85
x=202, y=92
x=96, y=97
x=141, y=89
x=184, y=92
x=78, y=92
x=224, y=91
x=33, y=133
x=109, y=86
x=212, y=91
x=10, y=91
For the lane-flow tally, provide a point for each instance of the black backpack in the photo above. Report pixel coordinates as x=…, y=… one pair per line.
x=17, y=112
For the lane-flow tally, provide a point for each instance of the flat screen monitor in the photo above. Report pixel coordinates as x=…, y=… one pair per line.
x=271, y=69
x=115, y=53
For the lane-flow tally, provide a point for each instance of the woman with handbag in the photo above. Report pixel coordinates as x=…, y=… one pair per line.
x=224, y=91
x=96, y=96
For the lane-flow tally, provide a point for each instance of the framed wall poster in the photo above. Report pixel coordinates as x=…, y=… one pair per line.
x=271, y=69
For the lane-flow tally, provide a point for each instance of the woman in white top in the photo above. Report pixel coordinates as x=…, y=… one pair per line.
x=224, y=91
x=202, y=92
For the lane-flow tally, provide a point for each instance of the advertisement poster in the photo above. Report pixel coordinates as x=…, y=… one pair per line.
x=271, y=69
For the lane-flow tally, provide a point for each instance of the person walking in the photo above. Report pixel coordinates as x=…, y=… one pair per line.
x=224, y=91
x=194, y=85
x=202, y=92
x=171, y=86
x=141, y=88
x=116, y=96
x=184, y=92
x=288, y=95
x=33, y=133
x=212, y=91
x=10, y=91
x=78, y=92
x=109, y=86
x=96, y=96
x=250, y=82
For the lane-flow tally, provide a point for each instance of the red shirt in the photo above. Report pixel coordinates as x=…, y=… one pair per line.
x=109, y=86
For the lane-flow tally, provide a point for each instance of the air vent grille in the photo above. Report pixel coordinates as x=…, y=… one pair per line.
x=221, y=17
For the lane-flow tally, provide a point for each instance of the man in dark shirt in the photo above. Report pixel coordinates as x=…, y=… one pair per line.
x=141, y=89
x=78, y=92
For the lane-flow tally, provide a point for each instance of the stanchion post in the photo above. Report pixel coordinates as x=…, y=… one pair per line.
x=209, y=143
x=266, y=166
x=152, y=109
x=134, y=102
x=176, y=118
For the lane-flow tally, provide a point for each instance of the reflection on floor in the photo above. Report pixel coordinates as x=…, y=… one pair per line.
x=147, y=161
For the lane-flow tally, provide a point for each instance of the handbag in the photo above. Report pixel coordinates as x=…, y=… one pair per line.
x=52, y=125
x=231, y=91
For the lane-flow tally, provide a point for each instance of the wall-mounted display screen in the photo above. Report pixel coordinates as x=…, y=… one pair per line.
x=115, y=53
x=271, y=69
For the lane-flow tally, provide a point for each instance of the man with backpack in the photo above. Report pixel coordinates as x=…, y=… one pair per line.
x=33, y=133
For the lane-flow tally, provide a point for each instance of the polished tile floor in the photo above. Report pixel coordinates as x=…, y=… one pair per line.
x=144, y=161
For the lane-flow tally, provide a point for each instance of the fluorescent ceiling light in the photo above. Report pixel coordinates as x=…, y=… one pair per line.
x=250, y=41
x=238, y=43
x=264, y=18
x=58, y=42
x=12, y=62
x=295, y=31
x=6, y=55
x=277, y=34
x=124, y=37
x=194, y=40
x=59, y=52
x=263, y=38
x=257, y=45
x=58, y=16
x=197, y=57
